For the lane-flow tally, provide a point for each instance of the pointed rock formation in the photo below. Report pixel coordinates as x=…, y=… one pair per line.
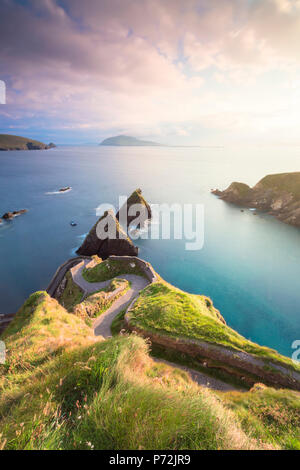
x=107, y=238
x=128, y=211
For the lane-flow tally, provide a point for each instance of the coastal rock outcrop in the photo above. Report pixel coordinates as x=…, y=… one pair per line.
x=107, y=238
x=277, y=194
x=115, y=240
x=126, y=211
x=12, y=215
x=15, y=142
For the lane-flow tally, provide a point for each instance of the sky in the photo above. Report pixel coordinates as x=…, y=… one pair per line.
x=180, y=72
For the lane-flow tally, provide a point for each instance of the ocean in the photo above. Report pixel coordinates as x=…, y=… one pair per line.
x=249, y=265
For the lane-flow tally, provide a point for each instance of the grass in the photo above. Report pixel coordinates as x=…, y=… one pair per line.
x=118, y=323
x=11, y=142
x=94, y=304
x=213, y=369
x=72, y=294
x=268, y=414
x=166, y=310
x=242, y=188
x=98, y=302
x=109, y=269
x=177, y=357
x=62, y=388
x=283, y=182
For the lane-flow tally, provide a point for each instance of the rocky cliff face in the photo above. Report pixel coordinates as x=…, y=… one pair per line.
x=107, y=238
x=128, y=209
x=115, y=241
x=12, y=215
x=277, y=194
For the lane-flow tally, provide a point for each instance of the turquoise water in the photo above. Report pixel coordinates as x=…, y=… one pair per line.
x=249, y=265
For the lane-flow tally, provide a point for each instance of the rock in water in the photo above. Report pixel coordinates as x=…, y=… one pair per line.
x=278, y=194
x=144, y=214
x=8, y=216
x=11, y=215
x=107, y=238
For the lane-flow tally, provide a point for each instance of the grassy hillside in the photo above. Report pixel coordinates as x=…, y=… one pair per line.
x=164, y=309
x=268, y=414
x=109, y=269
x=62, y=388
x=283, y=182
x=14, y=142
x=240, y=188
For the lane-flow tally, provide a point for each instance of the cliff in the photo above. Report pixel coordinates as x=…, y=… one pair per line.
x=190, y=325
x=14, y=142
x=277, y=194
x=63, y=388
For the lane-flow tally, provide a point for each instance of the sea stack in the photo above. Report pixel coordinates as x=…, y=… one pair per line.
x=114, y=241
x=126, y=211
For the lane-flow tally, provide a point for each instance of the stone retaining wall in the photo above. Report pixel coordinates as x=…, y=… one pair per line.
x=61, y=272
x=89, y=308
x=272, y=373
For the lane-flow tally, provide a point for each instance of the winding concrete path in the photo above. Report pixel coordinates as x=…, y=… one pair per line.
x=202, y=379
x=102, y=325
x=87, y=287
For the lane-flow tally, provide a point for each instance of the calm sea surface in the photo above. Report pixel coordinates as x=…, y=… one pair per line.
x=249, y=265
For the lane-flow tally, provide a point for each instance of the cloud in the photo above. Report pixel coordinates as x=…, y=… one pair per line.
x=148, y=65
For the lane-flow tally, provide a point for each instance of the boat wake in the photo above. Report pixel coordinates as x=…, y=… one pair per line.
x=83, y=236
x=59, y=192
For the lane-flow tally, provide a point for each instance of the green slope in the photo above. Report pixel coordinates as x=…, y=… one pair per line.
x=282, y=182
x=14, y=142
x=164, y=309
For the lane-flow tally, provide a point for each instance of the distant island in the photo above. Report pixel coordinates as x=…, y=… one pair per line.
x=127, y=141
x=15, y=142
x=278, y=194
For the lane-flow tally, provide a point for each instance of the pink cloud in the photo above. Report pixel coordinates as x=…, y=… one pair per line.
x=145, y=64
